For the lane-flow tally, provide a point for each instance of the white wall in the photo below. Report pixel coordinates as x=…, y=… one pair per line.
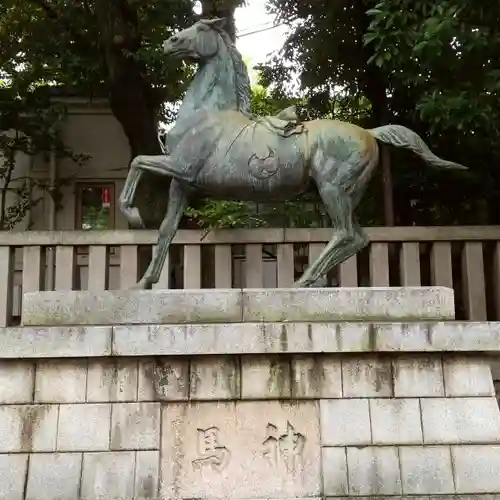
x=89, y=129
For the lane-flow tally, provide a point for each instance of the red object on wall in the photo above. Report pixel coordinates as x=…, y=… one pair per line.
x=105, y=197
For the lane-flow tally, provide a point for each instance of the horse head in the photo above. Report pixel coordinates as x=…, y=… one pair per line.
x=222, y=80
x=198, y=43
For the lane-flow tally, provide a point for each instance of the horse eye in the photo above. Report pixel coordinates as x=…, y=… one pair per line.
x=174, y=39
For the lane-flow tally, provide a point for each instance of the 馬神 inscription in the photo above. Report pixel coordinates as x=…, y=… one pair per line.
x=211, y=452
x=286, y=449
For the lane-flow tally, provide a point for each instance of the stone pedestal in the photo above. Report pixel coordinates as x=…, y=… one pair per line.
x=234, y=306
x=261, y=394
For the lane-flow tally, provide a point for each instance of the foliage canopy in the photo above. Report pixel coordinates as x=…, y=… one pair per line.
x=433, y=66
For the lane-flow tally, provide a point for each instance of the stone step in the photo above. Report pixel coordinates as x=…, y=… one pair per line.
x=322, y=305
x=247, y=338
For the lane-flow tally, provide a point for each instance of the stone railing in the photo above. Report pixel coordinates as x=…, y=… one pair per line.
x=464, y=258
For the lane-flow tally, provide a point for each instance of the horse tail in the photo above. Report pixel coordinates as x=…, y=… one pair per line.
x=402, y=137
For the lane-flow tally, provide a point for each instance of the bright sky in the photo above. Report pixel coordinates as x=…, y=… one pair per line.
x=256, y=47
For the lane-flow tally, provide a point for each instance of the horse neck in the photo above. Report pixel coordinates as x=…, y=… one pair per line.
x=216, y=86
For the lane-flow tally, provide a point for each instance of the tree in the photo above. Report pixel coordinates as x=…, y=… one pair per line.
x=224, y=9
x=327, y=48
x=110, y=48
x=447, y=58
x=101, y=47
x=28, y=128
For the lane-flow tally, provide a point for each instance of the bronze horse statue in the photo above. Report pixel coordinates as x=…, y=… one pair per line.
x=218, y=149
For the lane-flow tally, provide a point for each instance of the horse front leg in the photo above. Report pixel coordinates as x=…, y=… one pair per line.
x=177, y=203
x=126, y=198
x=139, y=164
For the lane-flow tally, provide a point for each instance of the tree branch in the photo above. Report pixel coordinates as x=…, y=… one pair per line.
x=49, y=11
x=53, y=15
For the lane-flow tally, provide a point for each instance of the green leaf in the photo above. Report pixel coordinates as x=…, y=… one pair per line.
x=370, y=37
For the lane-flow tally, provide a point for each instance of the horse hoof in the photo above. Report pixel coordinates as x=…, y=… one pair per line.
x=302, y=284
x=141, y=285
x=134, y=218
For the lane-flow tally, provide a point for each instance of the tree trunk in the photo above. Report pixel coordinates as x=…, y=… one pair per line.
x=134, y=102
x=374, y=85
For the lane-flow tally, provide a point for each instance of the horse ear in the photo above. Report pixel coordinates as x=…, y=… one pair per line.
x=217, y=23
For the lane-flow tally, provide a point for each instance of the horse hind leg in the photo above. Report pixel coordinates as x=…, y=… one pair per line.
x=348, y=238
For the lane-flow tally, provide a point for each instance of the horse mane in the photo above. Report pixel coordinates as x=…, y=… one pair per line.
x=241, y=78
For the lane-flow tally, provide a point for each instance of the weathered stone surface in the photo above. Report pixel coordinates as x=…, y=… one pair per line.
x=373, y=471
x=228, y=450
x=147, y=472
x=345, y=422
x=476, y=469
x=150, y=374
x=466, y=376
x=13, y=470
x=54, y=476
x=301, y=338
x=28, y=428
x=16, y=382
x=236, y=338
x=367, y=377
x=215, y=378
x=401, y=336
x=248, y=338
x=112, y=380
x=348, y=304
x=55, y=342
x=230, y=306
x=165, y=379
x=341, y=337
x=61, y=381
x=317, y=377
x=108, y=475
x=335, y=471
x=132, y=307
x=473, y=337
x=395, y=421
x=84, y=427
x=265, y=377
x=460, y=420
x=259, y=449
x=419, y=497
x=435, y=337
x=418, y=376
x=426, y=470
x=135, y=426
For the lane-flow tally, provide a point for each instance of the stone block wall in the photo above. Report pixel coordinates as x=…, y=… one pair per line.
x=248, y=395
x=252, y=426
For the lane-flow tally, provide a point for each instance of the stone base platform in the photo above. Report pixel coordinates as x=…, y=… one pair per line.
x=235, y=306
x=251, y=410
x=249, y=426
